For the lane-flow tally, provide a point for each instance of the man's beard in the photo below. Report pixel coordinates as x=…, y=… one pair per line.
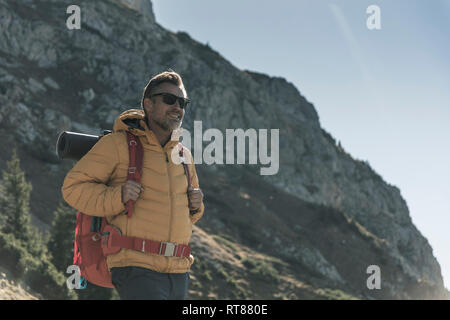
x=168, y=124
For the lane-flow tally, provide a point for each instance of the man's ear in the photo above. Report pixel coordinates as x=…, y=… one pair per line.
x=148, y=105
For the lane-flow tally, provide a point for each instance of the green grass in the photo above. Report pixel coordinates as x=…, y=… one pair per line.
x=261, y=269
x=334, y=294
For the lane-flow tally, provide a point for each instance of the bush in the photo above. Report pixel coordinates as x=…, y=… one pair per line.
x=12, y=255
x=44, y=278
x=261, y=268
x=38, y=273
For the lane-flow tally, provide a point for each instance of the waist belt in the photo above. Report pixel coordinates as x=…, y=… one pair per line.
x=113, y=241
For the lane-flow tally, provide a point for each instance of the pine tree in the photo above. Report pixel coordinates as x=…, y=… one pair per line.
x=15, y=201
x=62, y=236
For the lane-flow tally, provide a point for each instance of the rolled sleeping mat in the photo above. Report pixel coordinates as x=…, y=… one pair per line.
x=74, y=145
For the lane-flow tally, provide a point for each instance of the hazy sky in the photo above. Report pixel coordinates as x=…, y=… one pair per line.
x=385, y=94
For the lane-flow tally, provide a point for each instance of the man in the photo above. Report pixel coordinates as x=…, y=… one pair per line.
x=165, y=206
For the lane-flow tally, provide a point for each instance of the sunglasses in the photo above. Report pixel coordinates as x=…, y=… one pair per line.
x=171, y=99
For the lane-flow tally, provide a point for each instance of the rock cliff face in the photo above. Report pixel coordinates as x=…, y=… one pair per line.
x=54, y=79
x=144, y=7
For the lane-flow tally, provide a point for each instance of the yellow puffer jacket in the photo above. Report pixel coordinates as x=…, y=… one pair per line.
x=161, y=213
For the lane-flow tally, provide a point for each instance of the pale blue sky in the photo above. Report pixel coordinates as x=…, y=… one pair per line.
x=385, y=94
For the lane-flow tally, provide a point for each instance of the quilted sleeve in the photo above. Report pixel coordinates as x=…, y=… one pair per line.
x=85, y=186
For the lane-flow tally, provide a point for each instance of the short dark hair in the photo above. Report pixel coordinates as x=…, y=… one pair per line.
x=166, y=76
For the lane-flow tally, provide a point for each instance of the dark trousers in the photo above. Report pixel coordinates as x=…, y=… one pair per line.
x=135, y=283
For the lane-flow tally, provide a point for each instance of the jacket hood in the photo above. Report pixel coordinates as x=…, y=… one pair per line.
x=133, y=120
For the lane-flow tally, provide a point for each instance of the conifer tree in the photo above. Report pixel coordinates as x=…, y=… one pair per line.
x=15, y=201
x=62, y=236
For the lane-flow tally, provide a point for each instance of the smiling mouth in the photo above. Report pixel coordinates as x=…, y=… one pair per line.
x=174, y=116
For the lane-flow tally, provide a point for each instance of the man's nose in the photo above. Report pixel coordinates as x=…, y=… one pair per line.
x=177, y=104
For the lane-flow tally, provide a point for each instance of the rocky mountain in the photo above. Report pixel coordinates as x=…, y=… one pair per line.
x=309, y=231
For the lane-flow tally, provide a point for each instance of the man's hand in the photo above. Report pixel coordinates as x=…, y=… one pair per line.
x=195, y=196
x=131, y=191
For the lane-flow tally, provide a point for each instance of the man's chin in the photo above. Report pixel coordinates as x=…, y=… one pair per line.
x=169, y=125
x=174, y=125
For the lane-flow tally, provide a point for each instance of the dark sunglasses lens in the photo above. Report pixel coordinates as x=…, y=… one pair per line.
x=169, y=99
x=183, y=103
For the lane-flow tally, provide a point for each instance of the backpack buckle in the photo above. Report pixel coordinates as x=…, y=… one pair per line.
x=169, y=249
x=132, y=170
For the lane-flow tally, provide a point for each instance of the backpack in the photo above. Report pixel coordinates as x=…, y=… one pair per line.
x=95, y=238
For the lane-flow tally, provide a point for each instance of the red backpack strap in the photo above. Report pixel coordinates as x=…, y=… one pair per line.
x=76, y=249
x=186, y=168
x=188, y=174
x=136, y=156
